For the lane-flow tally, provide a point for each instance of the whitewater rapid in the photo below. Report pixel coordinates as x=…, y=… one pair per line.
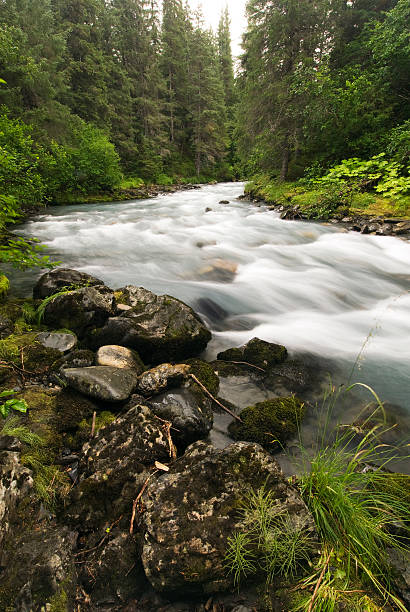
x=313, y=287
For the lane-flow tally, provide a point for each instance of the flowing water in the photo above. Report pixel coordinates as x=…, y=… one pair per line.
x=313, y=287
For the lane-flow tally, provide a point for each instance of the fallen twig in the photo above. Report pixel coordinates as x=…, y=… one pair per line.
x=93, y=425
x=136, y=500
x=235, y=416
x=251, y=365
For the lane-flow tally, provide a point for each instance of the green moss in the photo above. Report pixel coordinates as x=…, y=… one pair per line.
x=101, y=420
x=205, y=373
x=59, y=602
x=269, y=423
x=4, y=286
x=120, y=297
x=19, y=348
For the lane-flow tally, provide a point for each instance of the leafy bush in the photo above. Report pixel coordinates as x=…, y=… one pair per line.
x=378, y=173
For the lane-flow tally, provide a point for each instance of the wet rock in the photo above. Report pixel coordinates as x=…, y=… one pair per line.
x=59, y=341
x=80, y=310
x=400, y=560
x=220, y=270
x=401, y=228
x=293, y=375
x=188, y=410
x=211, y=310
x=104, y=383
x=119, y=357
x=63, y=278
x=159, y=327
x=16, y=482
x=256, y=352
x=6, y=327
x=163, y=377
x=224, y=202
x=269, y=423
x=193, y=510
x=39, y=571
x=80, y=358
x=114, y=466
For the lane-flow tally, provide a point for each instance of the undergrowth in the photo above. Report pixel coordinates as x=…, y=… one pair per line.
x=361, y=512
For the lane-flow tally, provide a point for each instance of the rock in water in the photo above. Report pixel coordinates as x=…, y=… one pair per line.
x=119, y=357
x=80, y=309
x=63, y=278
x=102, y=382
x=60, y=341
x=192, y=511
x=256, y=352
x=159, y=327
x=269, y=423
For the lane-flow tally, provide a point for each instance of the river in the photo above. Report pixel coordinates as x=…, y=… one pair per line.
x=313, y=287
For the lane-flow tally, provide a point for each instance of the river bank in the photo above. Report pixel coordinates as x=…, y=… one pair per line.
x=363, y=212
x=115, y=492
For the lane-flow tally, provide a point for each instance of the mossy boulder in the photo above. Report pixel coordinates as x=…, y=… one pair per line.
x=257, y=353
x=193, y=510
x=79, y=310
x=114, y=466
x=63, y=278
x=205, y=373
x=269, y=423
x=159, y=327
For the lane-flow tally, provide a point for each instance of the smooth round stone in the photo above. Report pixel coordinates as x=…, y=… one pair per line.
x=119, y=357
x=102, y=382
x=59, y=341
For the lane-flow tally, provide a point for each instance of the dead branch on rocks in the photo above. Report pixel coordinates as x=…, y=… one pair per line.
x=235, y=416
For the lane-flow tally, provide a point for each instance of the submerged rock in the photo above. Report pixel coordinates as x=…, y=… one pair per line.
x=59, y=341
x=119, y=357
x=269, y=423
x=159, y=327
x=104, y=383
x=80, y=309
x=193, y=510
x=256, y=352
x=63, y=278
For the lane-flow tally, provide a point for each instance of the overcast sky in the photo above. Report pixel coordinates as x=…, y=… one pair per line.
x=212, y=12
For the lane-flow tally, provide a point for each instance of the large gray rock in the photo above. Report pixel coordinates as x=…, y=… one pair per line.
x=102, y=382
x=114, y=466
x=163, y=377
x=80, y=310
x=159, y=327
x=119, y=357
x=193, y=510
x=59, y=341
x=62, y=278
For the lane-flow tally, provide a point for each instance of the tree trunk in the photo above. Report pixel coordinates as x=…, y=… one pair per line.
x=285, y=162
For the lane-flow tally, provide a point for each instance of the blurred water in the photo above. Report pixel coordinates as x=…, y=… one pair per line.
x=312, y=287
